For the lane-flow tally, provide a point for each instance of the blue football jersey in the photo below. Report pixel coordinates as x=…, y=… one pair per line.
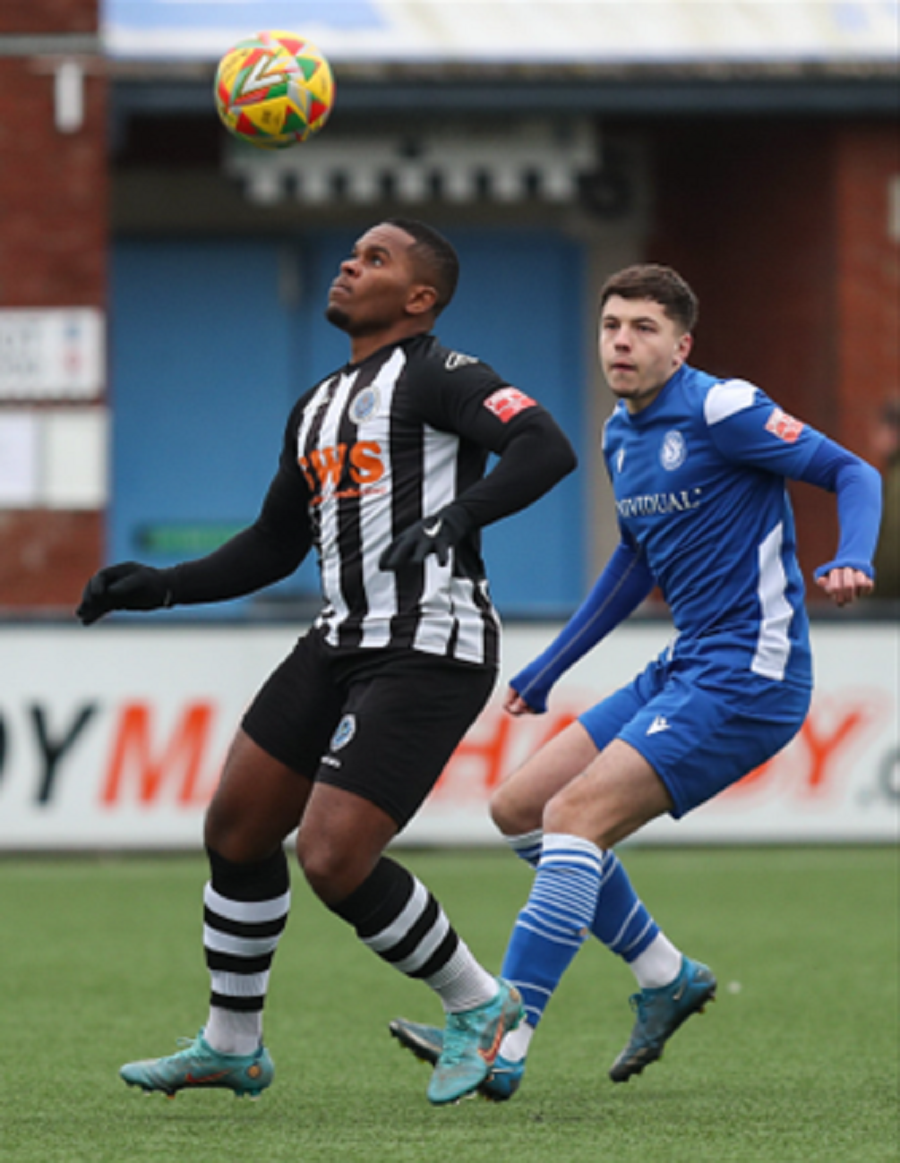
x=699, y=478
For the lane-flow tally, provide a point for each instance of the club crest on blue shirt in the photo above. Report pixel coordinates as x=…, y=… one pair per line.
x=346, y=729
x=673, y=450
x=365, y=406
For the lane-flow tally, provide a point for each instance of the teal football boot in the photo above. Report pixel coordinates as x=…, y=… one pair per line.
x=198, y=1067
x=471, y=1045
x=426, y=1042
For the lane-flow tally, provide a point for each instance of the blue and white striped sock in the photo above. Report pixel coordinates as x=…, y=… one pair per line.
x=555, y=921
x=527, y=846
x=621, y=920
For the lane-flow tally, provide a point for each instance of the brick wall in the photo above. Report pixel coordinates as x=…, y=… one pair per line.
x=867, y=159
x=781, y=227
x=21, y=17
x=46, y=557
x=53, y=193
x=53, y=253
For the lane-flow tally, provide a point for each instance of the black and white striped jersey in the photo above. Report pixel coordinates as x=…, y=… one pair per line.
x=395, y=438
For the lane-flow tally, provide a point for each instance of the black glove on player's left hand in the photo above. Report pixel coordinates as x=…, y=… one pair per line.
x=438, y=534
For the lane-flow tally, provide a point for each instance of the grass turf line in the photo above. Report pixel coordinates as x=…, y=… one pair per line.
x=100, y=962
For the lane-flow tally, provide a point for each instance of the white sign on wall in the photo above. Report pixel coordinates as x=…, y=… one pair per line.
x=54, y=458
x=19, y=459
x=52, y=354
x=113, y=737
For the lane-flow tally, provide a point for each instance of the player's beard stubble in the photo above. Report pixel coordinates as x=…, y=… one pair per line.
x=337, y=317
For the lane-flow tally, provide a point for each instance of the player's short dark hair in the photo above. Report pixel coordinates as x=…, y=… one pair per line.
x=661, y=284
x=435, y=254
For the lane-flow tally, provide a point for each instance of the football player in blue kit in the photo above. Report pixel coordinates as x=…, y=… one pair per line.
x=698, y=466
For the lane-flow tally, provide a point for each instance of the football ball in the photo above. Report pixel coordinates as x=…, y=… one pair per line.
x=274, y=89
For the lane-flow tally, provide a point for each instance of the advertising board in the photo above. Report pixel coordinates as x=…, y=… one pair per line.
x=113, y=738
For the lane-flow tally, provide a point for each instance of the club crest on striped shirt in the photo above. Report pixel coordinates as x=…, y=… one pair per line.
x=365, y=405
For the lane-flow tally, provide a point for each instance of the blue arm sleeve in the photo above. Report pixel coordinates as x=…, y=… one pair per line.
x=858, y=489
x=620, y=588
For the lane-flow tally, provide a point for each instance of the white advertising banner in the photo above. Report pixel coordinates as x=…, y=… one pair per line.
x=113, y=737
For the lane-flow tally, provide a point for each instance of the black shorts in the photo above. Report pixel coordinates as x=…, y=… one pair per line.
x=379, y=723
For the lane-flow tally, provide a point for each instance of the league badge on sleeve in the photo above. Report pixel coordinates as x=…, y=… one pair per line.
x=784, y=426
x=508, y=402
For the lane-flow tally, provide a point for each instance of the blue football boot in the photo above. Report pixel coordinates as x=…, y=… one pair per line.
x=659, y=1014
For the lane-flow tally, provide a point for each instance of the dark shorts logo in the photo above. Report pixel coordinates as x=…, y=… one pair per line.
x=346, y=729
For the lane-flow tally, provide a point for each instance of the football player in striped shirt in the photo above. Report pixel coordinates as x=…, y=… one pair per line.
x=699, y=466
x=383, y=472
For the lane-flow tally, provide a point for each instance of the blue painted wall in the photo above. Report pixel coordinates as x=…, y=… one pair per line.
x=212, y=341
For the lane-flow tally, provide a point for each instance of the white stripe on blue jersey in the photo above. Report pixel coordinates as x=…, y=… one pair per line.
x=723, y=400
x=773, y=646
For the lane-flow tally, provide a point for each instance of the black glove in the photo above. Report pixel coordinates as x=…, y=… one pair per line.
x=438, y=534
x=128, y=586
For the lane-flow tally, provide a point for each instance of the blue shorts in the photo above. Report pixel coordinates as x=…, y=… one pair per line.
x=699, y=728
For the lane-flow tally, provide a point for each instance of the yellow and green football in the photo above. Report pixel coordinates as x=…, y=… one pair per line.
x=274, y=89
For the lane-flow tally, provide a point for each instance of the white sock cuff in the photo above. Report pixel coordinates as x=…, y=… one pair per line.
x=527, y=846
x=463, y=983
x=232, y=1031
x=658, y=965
x=558, y=843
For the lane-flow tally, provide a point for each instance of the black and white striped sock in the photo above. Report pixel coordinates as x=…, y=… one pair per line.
x=399, y=919
x=245, y=912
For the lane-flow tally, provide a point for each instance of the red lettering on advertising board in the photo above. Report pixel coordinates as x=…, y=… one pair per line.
x=171, y=770
x=810, y=766
x=824, y=745
x=830, y=727
x=492, y=748
x=484, y=749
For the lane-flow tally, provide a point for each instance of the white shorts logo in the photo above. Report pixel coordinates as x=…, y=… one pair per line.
x=660, y=723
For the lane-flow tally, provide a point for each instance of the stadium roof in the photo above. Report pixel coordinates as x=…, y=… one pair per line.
x=517, y=32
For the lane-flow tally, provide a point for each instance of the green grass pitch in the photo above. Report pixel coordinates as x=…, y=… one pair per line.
x=100, y=962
